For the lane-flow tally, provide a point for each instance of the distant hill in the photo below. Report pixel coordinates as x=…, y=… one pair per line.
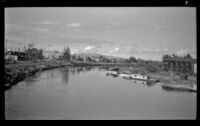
x=83, y=55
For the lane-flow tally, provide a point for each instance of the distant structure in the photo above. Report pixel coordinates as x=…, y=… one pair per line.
x=29, y=53
x=52, y=55
x=195, y=68
x=20, y=53
x=32, y=53
x=184, y=64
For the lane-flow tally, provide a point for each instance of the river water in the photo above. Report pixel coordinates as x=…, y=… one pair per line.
x=87, y=93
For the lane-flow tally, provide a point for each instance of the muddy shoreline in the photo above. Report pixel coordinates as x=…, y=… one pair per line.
x=17, y=72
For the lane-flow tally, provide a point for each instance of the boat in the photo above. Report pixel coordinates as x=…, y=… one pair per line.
x=140, y=77
x=129, y=75
x=125, y=74
x=113, y=73
x=179, y=87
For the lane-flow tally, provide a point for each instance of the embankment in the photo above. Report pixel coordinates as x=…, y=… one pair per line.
x=15, y=73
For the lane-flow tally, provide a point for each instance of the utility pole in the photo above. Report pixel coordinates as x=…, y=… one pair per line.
x=6, y=44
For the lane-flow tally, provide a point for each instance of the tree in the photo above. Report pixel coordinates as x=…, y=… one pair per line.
x=41, y=54
x=100, y=58
x=73, y=57
x=132, y=59
x=188, y=56
x=88, y=59
x=80, y=59
x=173, y=55
x=127, y=60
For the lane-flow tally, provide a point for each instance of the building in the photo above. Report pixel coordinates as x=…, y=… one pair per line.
x=19, y=53
x=33, y=54
x=52, y=55
x=26, y=54
x=179, y=64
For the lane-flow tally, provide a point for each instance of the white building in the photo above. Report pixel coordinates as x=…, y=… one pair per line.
x=195, y=68
x=51, y=55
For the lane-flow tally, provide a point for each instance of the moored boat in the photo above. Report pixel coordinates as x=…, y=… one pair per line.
x=180, y=87
x=113, y=69
x=125, y=74
x=110, y=72
x=140, y=77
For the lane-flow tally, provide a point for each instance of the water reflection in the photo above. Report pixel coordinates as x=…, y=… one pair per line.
x=146, y=83
x=73, y=71
x=114, y=75
x=81, y=69
x=33, y=78
x=93, y=95
x=87, y=69
x=65, y=75
x=150, y=83
x=140, y=82
x=103, y=68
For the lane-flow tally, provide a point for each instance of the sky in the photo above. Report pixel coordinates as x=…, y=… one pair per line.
x=142, y=32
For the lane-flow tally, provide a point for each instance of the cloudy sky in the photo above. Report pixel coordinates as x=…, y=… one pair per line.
x=118, y=31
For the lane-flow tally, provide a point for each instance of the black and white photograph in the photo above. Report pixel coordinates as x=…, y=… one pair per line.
x=100, y=63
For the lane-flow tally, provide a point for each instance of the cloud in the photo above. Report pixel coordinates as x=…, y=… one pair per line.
x=147, y=50
x=48, y=23
x=157, y=50
x=74, y=51
x=194, y=50
x=42, y=29
x=166, y=49
x=74, y=25
x=159, y=27
x=113, y=24
x=114, y=50
x=182, y=52
x=141, y=50
x=14, y=27
x=88, y=48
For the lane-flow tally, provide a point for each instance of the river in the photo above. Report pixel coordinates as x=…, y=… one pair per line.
x=87, y=93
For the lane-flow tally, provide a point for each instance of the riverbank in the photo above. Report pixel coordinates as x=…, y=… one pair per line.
x=15, y=73
x=164, y=77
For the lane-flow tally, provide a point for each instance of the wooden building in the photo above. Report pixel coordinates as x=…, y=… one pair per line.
x=19, y=53
x=178, y=64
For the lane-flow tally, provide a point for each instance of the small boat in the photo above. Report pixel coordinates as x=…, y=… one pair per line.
x=113, y=69
x=180, y=87
x=114, y=73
